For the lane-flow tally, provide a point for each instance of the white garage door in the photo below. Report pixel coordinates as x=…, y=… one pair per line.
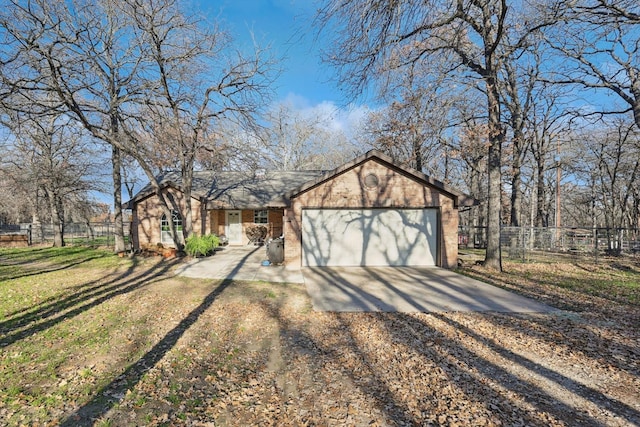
x=372, y=237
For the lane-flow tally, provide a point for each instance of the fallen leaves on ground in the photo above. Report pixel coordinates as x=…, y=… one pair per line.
x=274, y=361
x=239, y=353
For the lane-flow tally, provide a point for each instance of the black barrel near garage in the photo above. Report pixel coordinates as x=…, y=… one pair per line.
x=275, y=250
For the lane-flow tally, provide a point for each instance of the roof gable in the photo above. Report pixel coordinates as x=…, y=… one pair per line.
x=374, y=155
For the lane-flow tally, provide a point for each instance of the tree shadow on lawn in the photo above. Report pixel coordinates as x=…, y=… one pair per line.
x=28, y=255
x=93, y=293
x=322, y=358
x=601, y=341
x=598, y=327
x=545, y=290
x=562, y=411
x=389, y=383
x=110, y=395
x=482, y=381
x=473, y=374
x=35, y=265
x=67, y=293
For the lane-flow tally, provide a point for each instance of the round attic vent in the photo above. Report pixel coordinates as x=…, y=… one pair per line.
x=370, y=181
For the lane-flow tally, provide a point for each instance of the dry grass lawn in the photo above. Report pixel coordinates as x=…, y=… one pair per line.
x=87, y=338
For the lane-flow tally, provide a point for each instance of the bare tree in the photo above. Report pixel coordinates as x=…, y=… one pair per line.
x=18, y=198
x=110, y=64
x=611, y=157
x=519, y=84
x=77, y=55
x=302, y=139
x=472, y=152
x=411, y=129
x=371, y=35
x=599, y=48
x=197, y=80
x=535, y=112
x=548, y=122
x=49, y=156
x=232, y=147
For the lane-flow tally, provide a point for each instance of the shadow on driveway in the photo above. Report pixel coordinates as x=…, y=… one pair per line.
x=409, y=289
x=357, y=289
x=240, y=263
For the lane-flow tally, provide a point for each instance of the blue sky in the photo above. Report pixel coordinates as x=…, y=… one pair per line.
x=286, y=25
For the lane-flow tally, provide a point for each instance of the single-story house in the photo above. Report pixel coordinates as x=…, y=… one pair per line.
x=369, y=211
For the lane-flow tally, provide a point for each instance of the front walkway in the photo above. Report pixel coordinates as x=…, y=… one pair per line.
x=240, y=263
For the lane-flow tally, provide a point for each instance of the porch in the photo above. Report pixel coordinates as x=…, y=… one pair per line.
x=246, y=226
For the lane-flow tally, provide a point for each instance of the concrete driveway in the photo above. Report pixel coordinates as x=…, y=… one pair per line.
x=402, y=289
x=409, y=289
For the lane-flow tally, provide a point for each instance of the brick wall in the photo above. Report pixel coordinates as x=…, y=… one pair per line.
x=275, y=222
x=393, y=189
x=218, y=222
x=148, y=214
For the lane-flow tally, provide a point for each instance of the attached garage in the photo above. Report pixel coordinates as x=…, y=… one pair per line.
x=373, y=212
x=369, y=237
x=370, y=211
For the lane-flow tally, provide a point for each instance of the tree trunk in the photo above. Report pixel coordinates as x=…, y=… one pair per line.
x=493, y=258
x=540, y=194
x=187, y=182
x=417, y=153
x=118, y=233
x=516, y=196
x=57, y=219
x=516, y=180
x=478, y=216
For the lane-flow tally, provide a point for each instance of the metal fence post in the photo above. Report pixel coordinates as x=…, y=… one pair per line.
x=522, y=244
x=595, y=244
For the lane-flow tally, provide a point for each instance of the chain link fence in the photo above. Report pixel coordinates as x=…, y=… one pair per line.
x=532, y=243
x=518, y=243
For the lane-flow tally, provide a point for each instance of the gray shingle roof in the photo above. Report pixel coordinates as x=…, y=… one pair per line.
x=237, y=190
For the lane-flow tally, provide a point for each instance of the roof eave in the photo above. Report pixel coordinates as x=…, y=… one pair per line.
x=143, y=194
x=457, y=196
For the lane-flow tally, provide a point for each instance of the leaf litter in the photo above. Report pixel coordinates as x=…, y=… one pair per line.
x=259, y=355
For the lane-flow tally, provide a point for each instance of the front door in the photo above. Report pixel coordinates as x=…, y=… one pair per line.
x=234, y=228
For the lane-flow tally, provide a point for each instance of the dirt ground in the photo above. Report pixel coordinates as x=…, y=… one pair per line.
x=241, y=353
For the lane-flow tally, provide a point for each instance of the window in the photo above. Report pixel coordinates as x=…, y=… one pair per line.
x=371, y=181
x=165, y=230
x=260, y=217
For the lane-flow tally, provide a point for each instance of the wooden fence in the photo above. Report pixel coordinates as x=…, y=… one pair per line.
x=94, y=234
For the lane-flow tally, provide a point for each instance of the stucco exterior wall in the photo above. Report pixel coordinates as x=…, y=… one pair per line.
x=147, y=216
x=393, y=190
